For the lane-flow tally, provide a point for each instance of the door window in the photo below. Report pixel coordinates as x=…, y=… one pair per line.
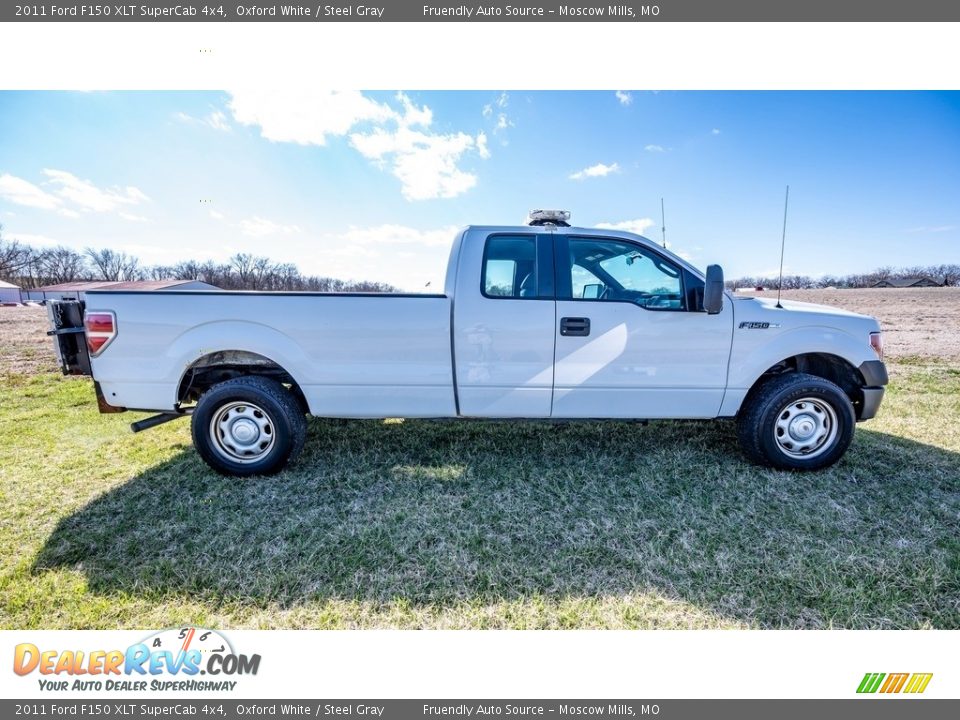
x=510, y=267
x=620, y=271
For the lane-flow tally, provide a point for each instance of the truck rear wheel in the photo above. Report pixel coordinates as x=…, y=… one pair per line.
x=796, y=422
x=248, y=426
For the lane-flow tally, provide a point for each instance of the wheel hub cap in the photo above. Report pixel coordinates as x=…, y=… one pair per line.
x=242, y=432
x=806, y=428
x=802, y=427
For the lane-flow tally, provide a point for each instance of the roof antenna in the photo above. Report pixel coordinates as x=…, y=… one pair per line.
x=663, y=225
x=783, y=242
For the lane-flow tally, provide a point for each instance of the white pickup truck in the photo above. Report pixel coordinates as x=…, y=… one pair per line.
x=536, y=321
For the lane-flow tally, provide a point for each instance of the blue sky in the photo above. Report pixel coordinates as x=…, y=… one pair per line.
x=371, y=185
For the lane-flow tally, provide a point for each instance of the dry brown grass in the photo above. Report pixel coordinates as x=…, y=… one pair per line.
x=920, y=322
x=26, y=347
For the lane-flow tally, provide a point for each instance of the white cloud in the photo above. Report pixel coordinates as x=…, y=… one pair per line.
x=497, y=110
x=400, y=139
x=216, y=119
x=87, y=196
x=482, y=148
x=389, y=234
x=426, y=164
x=306, y=116
x=625, y=98
x=37, y=240
x=257, y=226
x=638, y=226
x=655, y=148
x=69, y=190
x=22, y=192
x=715, y=131
x=216, y=215
x=598, y=170
x=406, y=257
x=132, y=217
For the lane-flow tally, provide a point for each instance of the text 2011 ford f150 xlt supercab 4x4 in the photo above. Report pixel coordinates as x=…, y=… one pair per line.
x=537, y=321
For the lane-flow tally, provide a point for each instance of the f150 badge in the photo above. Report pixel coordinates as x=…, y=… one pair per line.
x=758, y=325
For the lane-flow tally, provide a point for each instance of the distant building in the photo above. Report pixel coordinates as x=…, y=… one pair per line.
x=78, y=290
x=9, y=293
x=909, y=282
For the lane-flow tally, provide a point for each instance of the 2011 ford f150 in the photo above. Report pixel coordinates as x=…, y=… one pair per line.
x=536, y=321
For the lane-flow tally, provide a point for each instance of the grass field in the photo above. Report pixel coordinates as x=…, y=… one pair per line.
x=476, y=525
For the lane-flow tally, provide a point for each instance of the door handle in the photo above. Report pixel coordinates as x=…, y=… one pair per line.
x=574, y=326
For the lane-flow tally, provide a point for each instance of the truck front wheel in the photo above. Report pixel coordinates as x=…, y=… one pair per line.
x=796, y=422
x=248, y=426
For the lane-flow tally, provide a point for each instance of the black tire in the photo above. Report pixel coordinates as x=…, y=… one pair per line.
x=274, y=427
x=778, y=401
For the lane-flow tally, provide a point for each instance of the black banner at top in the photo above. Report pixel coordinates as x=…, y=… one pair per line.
x=489, y=11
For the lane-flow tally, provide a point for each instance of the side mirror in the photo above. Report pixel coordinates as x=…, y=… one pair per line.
x=591, y=291
x=713, y=290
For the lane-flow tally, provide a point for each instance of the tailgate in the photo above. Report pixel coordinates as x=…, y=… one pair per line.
x=69, y=341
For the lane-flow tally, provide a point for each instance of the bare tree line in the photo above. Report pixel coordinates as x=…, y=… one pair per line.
x=947, y=274
x=30, y=267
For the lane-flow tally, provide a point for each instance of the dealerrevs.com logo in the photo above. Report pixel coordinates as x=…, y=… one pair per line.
x=890, y=683
x=171, y=660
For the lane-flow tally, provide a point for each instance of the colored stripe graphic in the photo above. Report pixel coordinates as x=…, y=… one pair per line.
x=870, y=682
x=918, y=683
x=894, y=682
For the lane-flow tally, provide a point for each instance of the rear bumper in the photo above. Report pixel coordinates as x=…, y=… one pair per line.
x=874, y=374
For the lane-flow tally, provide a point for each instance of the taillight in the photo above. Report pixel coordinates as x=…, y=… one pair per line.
x=876, y=342
x=101, y=328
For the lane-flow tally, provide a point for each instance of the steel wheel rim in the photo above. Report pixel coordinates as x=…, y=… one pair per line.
x=242, y=432
x=806, y=428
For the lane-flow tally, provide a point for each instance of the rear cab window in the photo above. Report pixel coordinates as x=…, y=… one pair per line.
x=517, y=267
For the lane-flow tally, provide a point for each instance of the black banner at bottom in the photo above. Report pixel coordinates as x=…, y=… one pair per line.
x=868, y=708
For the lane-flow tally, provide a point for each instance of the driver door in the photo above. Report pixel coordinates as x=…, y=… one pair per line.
x=630, y=342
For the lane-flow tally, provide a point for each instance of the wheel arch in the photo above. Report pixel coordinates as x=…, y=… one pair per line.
x=828, y=366
x=221, y=365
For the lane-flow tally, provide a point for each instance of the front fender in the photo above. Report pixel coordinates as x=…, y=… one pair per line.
x=753, y=352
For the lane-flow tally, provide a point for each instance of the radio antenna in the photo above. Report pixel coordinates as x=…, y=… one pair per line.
x=663, y=226
x=783, y=242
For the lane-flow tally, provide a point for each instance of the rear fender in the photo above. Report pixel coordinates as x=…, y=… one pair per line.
x=232, y=335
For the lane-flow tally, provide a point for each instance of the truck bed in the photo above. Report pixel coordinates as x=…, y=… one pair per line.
x=352, y=355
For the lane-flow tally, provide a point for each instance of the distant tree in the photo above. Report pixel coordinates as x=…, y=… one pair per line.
x=112, y=266
x=949, y=274
x=13, y=257
x=159, y=272
x=61, y=265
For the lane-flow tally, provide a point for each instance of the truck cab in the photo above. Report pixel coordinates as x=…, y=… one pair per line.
x=566, y=322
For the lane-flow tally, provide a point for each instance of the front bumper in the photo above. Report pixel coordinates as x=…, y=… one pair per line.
x=874, y=374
